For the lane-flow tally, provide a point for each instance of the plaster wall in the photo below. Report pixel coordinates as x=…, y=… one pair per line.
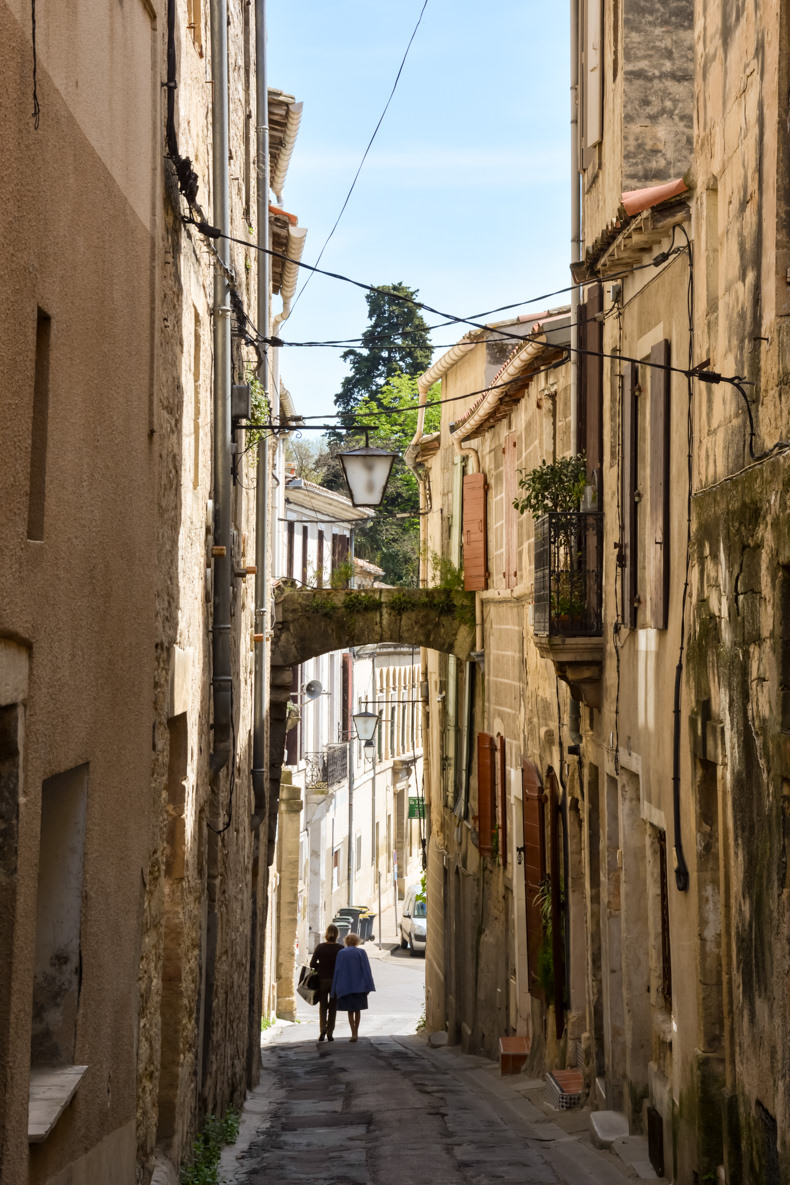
x=76, y=595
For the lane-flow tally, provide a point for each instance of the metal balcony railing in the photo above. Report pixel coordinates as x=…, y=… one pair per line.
x=568, y=573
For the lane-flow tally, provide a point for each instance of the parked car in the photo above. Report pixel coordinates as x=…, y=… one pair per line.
x=413, y=921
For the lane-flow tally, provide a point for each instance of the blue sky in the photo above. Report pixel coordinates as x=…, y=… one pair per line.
x=465, y=192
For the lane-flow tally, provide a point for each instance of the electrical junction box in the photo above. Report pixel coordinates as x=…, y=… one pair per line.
x=240, y=401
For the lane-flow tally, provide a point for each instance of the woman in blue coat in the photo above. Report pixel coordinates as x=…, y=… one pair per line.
x=352, y=982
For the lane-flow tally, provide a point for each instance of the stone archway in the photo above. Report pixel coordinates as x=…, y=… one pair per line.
x=309, y=622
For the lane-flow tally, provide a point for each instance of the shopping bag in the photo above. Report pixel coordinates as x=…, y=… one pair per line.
x=307, y=987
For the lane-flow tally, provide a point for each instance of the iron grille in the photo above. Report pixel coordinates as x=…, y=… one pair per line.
x=337, y=764
x=315, y=770
x=568, y=573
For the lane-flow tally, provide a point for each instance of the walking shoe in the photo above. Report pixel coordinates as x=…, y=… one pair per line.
x=329, y=1037
x=323, y=1035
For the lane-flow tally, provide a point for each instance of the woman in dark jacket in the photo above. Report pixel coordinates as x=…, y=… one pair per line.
x=353, y=980
x=323, y=961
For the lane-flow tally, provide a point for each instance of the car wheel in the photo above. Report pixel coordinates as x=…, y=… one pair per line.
x=403, y=942
x=412, y=951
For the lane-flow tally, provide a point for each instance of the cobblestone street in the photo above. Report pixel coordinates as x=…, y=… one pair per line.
x=391, y=1110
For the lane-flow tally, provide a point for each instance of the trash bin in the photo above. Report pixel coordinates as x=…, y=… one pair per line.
x=366, y=926
x=352, y=914
x=343, y=926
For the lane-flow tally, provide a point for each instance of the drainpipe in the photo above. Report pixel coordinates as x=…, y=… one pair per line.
x=263, y=482
x=576, y=225
x=220, y=629
x=351, y=747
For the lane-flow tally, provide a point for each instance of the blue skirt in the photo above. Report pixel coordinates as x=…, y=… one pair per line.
x=354, y=1002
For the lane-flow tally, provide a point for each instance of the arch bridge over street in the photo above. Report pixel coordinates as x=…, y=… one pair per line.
x=309, y=622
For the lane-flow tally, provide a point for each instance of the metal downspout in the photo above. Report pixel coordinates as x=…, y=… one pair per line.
x=221, y=666
x=576, y=228
x=263, y=482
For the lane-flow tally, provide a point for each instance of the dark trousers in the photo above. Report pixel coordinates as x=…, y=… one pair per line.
x=327, y=1006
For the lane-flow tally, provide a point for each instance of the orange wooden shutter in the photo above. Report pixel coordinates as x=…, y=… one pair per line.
x=511, y=516
x=486, y=801
x=533, y=803
x=474, y=527
x=657, y=542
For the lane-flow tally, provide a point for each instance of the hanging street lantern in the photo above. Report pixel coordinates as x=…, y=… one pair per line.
x=365, y=724
x=367, y=471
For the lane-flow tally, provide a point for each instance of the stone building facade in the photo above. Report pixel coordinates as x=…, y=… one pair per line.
x=645, y=752
x=135, y=853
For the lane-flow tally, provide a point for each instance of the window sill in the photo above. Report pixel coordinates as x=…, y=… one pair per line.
x=51, y=1090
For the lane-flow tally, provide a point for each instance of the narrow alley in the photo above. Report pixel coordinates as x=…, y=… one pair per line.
x=392, y=1109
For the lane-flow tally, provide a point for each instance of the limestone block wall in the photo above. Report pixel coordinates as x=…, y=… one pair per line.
x=204, y=903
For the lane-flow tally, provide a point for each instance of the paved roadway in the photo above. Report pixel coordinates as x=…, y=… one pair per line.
x=390, y=1110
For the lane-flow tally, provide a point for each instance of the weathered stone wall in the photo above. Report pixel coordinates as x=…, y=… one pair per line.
x=204, y=879
x=737, y=667
x=647, y=64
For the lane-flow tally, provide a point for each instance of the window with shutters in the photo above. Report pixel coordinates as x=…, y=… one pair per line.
x=486, y=791
x=533, y=802
x=590, y=79
x=289, y=552
x=474, y=532
x=339, y=555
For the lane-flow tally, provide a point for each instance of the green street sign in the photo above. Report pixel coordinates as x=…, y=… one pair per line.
x=416, y=808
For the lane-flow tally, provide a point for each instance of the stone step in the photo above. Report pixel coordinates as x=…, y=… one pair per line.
x=606, y=1127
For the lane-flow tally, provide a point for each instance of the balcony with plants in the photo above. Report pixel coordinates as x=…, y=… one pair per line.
x=568, y=567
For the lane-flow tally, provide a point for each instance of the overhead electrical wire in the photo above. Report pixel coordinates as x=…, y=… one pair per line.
x=703, y=375
x=365, y=153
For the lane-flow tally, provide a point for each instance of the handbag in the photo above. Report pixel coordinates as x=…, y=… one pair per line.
x=307, y=986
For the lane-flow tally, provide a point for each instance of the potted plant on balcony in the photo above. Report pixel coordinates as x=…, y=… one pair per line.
x=552, y=493
x=552, y=485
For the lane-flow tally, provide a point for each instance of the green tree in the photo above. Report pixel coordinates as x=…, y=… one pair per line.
x=392, y=538
x=395, y=342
